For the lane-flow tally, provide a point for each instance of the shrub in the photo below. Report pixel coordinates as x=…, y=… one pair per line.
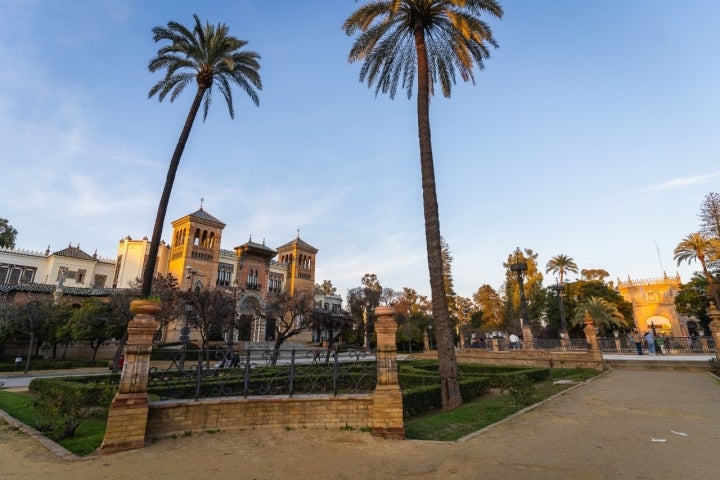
x=61, y=404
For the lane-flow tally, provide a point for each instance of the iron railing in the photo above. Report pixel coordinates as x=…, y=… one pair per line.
x=667, y=345
x=218, y=373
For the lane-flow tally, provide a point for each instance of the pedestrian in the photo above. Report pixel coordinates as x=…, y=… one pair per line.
x=514, y=340
x=18, y=362
x=650, y=339
x=121, y=362
x=637, y=340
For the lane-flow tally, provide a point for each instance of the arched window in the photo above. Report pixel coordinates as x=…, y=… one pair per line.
x=196, y=240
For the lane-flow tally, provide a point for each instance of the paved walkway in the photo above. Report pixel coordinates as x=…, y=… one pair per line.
x=628, y=424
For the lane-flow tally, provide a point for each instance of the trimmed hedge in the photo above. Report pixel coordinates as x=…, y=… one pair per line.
x=41, y=364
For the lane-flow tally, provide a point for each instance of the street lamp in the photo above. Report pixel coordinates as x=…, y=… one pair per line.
x=560, y=289
x=519, y=267
x=430, y=336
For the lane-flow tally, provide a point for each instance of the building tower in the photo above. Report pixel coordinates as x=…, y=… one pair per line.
x=195, y=249
x=299, y=256
x=653, y=302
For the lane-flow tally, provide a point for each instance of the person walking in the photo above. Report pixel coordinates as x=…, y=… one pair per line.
x=650, y=339
x=637, y=340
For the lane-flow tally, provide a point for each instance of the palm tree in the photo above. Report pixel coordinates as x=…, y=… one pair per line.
x=560, y=265
x=603, y=313
x=697, y=246
x=436, y=39
x=211, y=57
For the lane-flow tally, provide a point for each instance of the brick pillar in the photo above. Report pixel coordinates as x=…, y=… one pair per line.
x=592, y=340
x=714, y=315
x=128, y=414
x=387, y=399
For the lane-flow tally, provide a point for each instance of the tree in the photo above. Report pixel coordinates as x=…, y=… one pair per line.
x=560, y=265
x=436, y=39
x=490, y=304
x=371, y=293
x=325, y=289
x=213, y=312
x=697, y=246
x=604, y=314
x=692, y=299
x=7, y=234
x=291, y=314
x=594, y=274
x=710, y=215
x=93, y=322
x=209, y=55
x=29, y=319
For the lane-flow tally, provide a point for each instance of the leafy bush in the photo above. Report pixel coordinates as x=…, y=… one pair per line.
x=521, y=389
x=61, y=404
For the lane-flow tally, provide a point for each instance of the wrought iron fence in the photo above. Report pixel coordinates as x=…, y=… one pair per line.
x=185, y=374
x=667, y=345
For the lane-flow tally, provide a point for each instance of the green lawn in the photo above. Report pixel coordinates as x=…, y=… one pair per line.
x=486, y=410
x=88, y=437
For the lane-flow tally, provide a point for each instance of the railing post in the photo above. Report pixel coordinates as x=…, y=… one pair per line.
x=387, y=399
x=127, y=418
x=592, y=340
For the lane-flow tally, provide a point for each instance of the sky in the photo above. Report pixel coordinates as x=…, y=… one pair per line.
x=591, y=132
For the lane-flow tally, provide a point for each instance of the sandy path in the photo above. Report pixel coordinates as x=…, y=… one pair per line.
x=602, y=430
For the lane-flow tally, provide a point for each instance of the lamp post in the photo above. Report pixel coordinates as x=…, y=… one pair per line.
x=560, y=289
x=519, y=267
x=430, y=336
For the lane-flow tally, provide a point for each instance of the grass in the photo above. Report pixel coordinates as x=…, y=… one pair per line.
x=486, y=410
x=88, y=436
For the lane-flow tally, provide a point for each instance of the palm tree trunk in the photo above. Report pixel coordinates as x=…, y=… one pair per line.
x=450, y=388
x=149, y=271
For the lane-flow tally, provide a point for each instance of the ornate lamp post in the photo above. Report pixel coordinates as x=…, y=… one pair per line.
x=560, y=290
x=519, y=267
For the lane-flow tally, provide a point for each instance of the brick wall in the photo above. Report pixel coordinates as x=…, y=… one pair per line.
x=168, y=418
x=532, y=358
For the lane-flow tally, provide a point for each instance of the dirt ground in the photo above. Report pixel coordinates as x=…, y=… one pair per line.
x=626, y=424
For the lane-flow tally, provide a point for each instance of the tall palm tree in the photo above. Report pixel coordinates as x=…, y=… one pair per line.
x=437, y=39
x=603, y=313
x=697, y=246
x=210, y=56
x=560, y=265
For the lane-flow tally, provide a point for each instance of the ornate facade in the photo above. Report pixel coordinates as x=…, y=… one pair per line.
x=653, y=302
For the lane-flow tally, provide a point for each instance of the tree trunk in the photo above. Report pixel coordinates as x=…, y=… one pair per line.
x=149, y=271
x=29, y=352
x=450, y=389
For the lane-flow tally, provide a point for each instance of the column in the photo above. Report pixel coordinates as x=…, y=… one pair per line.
x=387, y=398
x=127, y=418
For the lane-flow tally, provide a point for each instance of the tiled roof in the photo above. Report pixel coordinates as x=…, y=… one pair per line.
x=74, y=291
x=203, y=215
x=300, y=244
x=74, y=252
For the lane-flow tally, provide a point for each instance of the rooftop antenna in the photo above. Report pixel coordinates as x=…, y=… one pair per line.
x=659, y=257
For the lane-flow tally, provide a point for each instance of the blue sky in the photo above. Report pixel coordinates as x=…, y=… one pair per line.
x=591, y=132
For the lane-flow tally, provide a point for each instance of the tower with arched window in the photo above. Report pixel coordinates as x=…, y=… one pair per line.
x=195, y=249
x=299, y=257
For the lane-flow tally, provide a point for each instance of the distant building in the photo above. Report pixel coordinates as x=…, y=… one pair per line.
x=248, y=272
x=653, y=302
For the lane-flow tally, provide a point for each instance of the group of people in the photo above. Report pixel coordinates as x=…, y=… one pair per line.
x=648, y=338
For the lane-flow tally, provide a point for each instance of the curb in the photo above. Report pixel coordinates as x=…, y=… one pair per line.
x=55, y=448
x=529, y=408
